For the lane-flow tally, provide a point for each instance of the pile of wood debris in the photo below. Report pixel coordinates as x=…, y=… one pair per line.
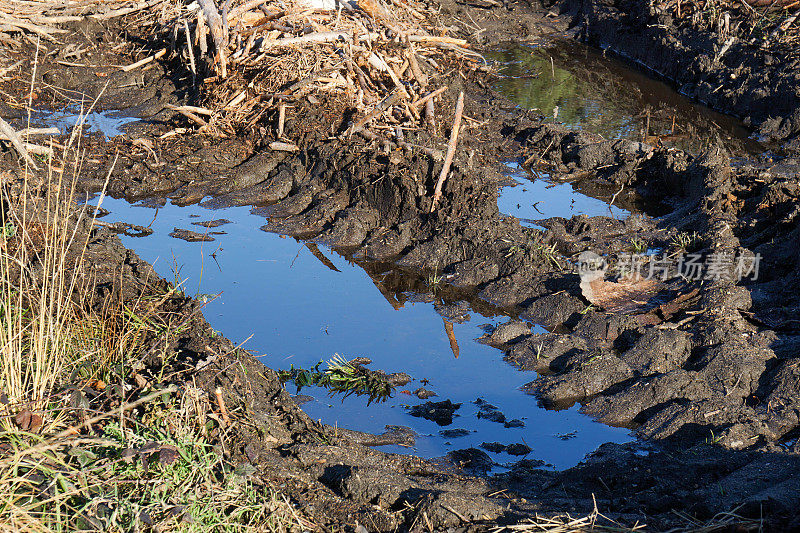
x=250, y=64
x=252, y=59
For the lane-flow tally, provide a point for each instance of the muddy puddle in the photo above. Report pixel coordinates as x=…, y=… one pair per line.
x=532, y=197
x=582, y=88
x=109, y=123
x=298, y=305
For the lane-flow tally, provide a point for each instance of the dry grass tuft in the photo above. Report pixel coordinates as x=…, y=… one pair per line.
x=91, y=436
x=596, y=521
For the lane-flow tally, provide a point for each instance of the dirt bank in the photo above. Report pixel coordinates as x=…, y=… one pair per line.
x=707, y=375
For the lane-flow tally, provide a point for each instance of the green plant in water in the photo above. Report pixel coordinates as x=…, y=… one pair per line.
x=638, y=246
x=433, y=281
x=177, y=280
x=341, y=376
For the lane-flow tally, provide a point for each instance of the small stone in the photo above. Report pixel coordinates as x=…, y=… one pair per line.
x=493, y=416
x=398, y=379
x=453, y=433
x=423, y=393
x=301, y=399
x=471, y=459
x=212, y=223
x=510, y=331
x=439, y=412
x=190, y=236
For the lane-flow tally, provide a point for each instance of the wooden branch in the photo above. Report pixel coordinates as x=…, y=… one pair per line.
x=434, y=39
x=10, y=23
x=451, y=150
x=7, y=131
x=418, y=73
x=387, y=102
x=193, y=109
x=243, y=8
x=145, y=61
x=283, y=147
x=430, y=114
x=379, y=64
x=27, y=132
x=322, y=37
x=200, y=34
x=188, y=114
x=125, y=10
x=189, y=45
x=281, y=118
x=214, y=21
x=432, y=94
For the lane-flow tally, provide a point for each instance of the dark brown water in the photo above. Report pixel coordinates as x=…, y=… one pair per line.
x=580, y=87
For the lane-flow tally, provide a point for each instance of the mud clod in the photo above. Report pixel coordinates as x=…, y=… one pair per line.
x=440, y=412
x=190, y=236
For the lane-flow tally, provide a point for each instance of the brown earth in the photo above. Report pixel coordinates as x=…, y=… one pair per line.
x=711, y=384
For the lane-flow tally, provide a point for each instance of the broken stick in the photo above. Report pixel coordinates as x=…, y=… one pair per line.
x=146, y=60
x=7, y=131
x=451, y=150
x=214, y=21
x=424, y=99
x=387, y=102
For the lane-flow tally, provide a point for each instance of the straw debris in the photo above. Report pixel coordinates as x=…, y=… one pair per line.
x=255, y=59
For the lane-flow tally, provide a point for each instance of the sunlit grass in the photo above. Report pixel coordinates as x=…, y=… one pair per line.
x=92, y=436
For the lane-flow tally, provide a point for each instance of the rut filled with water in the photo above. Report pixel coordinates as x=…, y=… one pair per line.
x=298, y=303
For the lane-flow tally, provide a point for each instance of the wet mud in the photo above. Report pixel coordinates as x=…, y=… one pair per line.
x=707, y=377
x=731, y=73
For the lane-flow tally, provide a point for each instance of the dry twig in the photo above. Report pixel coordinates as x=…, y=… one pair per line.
x=451, y=150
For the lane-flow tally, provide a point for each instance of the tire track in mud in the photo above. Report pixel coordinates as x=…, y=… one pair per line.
x=732, y=369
